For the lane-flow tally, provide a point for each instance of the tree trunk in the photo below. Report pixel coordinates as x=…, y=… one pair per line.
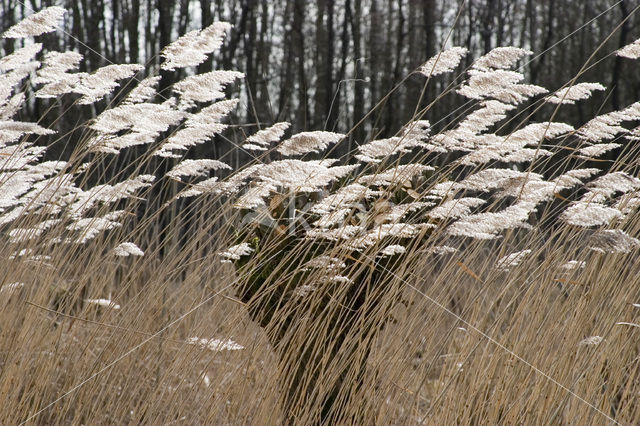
x=340, y=78
x=358, y=66
x=286, y=73
x=298, y=44
x=320, y=60
x=617, y=66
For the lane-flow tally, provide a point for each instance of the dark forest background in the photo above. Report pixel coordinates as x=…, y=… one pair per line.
x=325, y=64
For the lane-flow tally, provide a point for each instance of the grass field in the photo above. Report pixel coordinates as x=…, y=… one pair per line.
x=484, y=274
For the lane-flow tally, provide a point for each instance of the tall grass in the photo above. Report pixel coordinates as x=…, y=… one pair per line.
x=483, y=274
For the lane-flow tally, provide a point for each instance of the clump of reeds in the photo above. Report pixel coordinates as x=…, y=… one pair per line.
x=473, y=275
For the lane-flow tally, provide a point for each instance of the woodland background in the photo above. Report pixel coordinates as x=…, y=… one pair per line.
x=325, y=64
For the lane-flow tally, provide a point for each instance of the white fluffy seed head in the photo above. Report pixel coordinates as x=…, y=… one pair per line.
x=39, y=23
x=215, y=345
x=500, y=58
x=571, y=94
x=445, y=61
x=193, y=48
x=127, y=249
x=631, y=51
x=308, y=142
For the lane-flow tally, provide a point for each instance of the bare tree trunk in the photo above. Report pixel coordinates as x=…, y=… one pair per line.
x=617, y=67
x=206, y=19
x=263, y=52
x=92, y=17
x=535, y=69
x=341, y=84
x=165, y=25
x=302, y=111
x=430, y=50
x=358, y=66
x=487, y=25
x=149, y=35
x=134, y=34
x=183, y=17
x=374, y=52
x=393, y=122
x=286, y=73
x=8, y=20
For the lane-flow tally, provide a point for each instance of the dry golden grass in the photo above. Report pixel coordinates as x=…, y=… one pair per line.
x=471, y=346
x=461, y=341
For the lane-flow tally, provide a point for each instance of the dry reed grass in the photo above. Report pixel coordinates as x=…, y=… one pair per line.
x=468, y=342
